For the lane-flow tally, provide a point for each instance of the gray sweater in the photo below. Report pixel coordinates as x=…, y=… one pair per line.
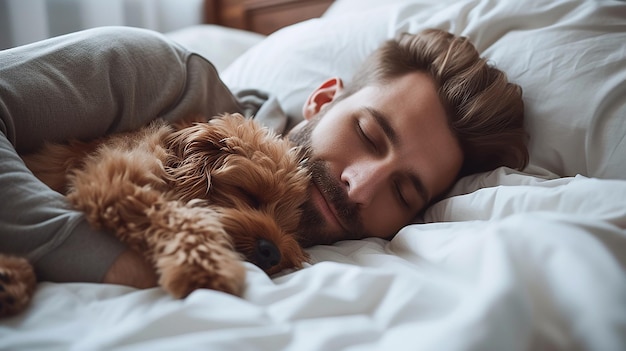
x=85, y=85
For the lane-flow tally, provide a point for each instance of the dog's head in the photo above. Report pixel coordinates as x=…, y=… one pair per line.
x=256, y=179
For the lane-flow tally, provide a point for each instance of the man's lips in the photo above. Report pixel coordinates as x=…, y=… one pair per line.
x=326, y=209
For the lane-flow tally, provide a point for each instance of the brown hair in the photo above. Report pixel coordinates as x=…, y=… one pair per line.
x=484, y=110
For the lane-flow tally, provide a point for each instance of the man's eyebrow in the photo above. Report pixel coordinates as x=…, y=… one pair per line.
x=391, y=134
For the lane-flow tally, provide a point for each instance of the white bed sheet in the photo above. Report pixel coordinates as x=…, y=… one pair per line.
x=509, y=262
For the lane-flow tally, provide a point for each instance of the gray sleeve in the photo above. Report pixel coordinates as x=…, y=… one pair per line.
x=103, y=80
x=35, y=222
x=84, y=85
x=264, y=108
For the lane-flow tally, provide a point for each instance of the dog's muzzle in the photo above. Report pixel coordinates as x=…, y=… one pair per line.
x=267, y=254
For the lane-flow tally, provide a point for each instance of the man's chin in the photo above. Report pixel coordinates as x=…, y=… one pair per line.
x=311, y=234
x=313, y=230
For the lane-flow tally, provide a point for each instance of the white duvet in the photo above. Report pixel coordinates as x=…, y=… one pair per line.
x=509, y=261
x=540, y=267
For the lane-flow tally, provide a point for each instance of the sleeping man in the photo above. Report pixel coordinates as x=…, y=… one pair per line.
x=421, y=112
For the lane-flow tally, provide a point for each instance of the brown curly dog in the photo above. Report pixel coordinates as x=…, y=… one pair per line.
x=195, y=199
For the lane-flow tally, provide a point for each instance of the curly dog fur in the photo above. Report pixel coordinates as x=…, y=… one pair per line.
x=194, y=198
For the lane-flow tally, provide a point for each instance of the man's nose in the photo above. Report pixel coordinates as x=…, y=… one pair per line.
x=364, y=180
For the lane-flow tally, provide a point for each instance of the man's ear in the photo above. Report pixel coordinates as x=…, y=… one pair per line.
x=325, y=93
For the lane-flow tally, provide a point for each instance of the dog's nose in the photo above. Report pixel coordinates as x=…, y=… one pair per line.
x=267, y=254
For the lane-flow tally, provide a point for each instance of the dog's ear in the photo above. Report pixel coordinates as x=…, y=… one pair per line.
x=194, y=152
x=237, y=160
x=260, y=167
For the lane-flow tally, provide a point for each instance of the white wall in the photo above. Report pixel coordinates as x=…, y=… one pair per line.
x=26, y=21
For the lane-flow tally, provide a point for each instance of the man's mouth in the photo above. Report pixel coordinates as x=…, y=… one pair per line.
x=326, y=209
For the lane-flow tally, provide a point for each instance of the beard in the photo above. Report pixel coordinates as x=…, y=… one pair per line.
x=312, y=229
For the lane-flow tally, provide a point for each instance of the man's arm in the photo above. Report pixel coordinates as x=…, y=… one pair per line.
x=85, y=85
x=132, y=270
x=35, y=222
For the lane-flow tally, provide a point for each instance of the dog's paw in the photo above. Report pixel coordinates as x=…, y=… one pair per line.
x=191, y=262
x=17, y=285
x=227, y=276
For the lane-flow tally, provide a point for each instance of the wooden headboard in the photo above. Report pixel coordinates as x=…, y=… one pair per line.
x=262, y=16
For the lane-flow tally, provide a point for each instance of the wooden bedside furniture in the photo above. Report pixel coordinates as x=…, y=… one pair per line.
x=262, y=16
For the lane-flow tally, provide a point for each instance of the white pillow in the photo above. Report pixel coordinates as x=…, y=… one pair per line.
x=568, y=56
x=220, y=45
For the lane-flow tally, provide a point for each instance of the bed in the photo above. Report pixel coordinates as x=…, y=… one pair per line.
x=509, y=260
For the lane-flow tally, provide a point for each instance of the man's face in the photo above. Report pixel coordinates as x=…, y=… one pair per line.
x=378, y=157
